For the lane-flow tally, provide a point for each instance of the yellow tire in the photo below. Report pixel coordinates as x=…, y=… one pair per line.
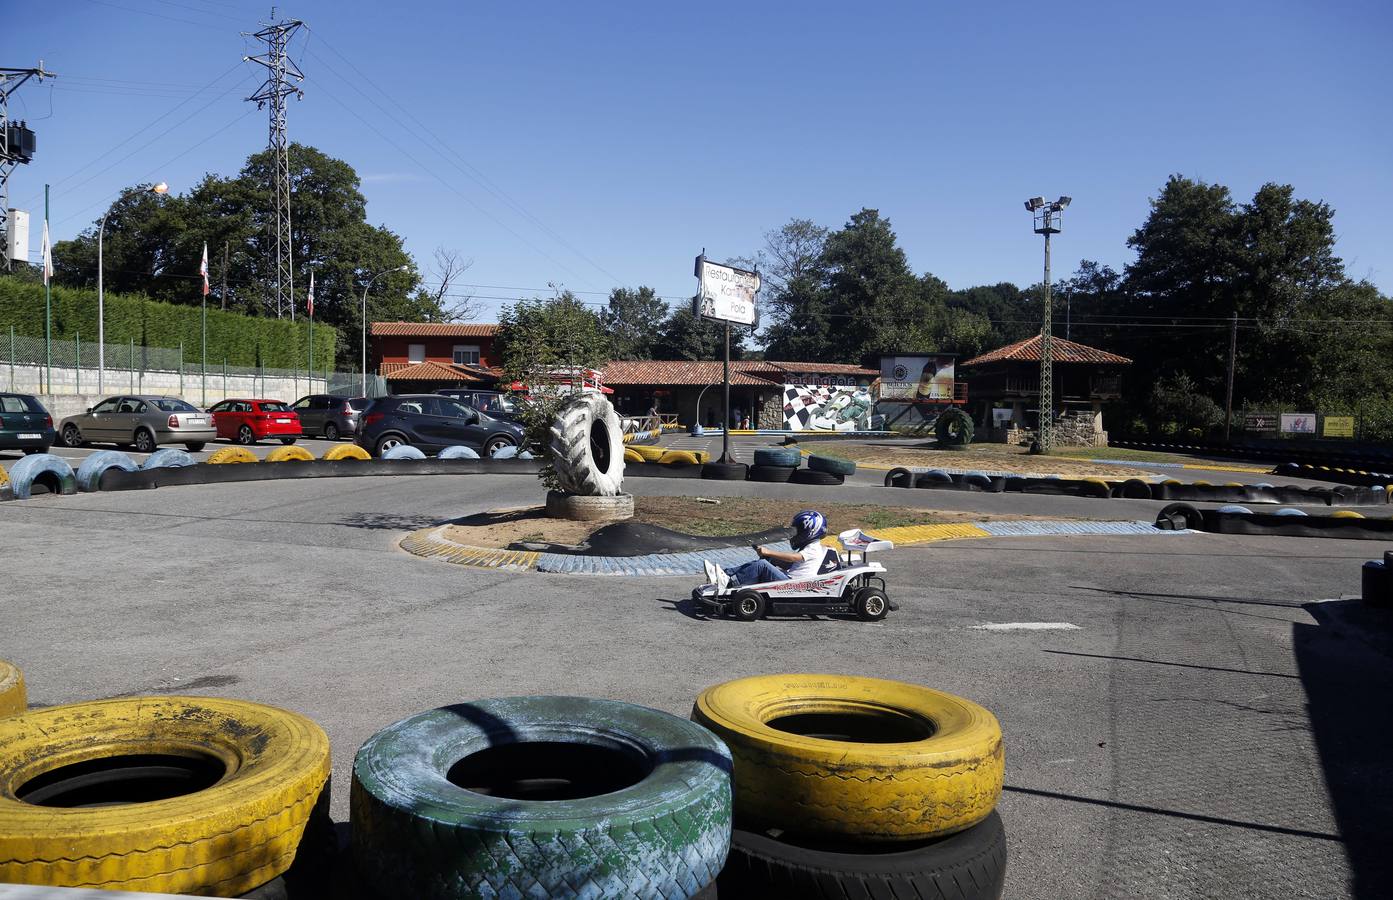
x=631, y=457
x=1346, y=514
x=265, y=771
x=680, y=458
x=289, y=453
x=4, y=477
x=1233, y=484
x=649, y=452
x=1201, y=484
x=232, y=455
x=346, y=451
x=910, y=762
x=12, y=696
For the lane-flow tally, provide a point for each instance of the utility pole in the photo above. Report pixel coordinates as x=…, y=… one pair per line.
x=16, y=143
x=1233, y=353
x=273, y=92
x=224, y=276
x=1048, y=219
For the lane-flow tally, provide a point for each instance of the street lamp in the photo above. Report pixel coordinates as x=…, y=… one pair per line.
x=1049, y=219
x=365, y=320
x=160, y=188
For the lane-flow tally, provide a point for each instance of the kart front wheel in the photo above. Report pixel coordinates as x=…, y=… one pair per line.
x=747, y=606
x=872, y=604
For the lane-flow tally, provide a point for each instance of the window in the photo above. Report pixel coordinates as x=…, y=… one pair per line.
x=13, y=405
x=453, y=409
x=302, y=403
x=225, y=406
x=174, y=404
x=271, y=406
x=107, y=406
x=467, y=354
x=416, y=353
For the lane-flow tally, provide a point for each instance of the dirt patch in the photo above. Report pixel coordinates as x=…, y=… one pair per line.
x=499, y=529
x=998, y=458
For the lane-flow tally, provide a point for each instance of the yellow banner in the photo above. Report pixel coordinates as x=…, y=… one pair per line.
x=1338, y=426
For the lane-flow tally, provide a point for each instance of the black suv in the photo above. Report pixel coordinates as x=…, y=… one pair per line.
x=432, y=422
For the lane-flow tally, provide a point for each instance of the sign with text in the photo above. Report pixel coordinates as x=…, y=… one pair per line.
x=916, y=377
x=1260, y=422
x=726, y=293
x=1298, y=423
x=1338, y=426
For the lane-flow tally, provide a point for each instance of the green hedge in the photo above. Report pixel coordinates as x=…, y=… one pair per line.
x=241, y=340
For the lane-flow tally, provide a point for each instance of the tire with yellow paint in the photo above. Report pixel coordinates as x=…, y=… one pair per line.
x=211, y=796
x=231, y=455
x=289, y=453
x=632, y=456
x=12, y=697
x=649, y=452
x=851, y=757
x=683, y=458
x=346, y=451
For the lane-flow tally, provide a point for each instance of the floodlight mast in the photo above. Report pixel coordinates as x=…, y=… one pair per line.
x=1049, y=219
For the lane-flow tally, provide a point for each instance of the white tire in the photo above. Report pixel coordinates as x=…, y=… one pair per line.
x=589, y=509
x=587, y=449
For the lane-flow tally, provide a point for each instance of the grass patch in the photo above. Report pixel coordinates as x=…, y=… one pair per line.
x=745, y=515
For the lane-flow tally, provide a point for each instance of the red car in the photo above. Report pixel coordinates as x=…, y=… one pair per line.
x=248, y=421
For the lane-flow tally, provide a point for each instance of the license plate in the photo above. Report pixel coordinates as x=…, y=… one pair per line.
x=282, y=421
x=30, y=437
x=197, y=420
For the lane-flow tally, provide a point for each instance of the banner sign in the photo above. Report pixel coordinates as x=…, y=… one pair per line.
x=919, y=377
x=726, y=293
x=1260, y=422
x=1298, y=423
x=1338, y=426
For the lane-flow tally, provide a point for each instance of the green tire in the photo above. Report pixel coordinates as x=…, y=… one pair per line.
x=831, y=465
x=541, y=797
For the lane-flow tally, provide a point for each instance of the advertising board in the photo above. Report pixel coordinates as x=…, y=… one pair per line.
x=1337, y=426
x=1298, y=423
x=726, y=293
x=916, y=377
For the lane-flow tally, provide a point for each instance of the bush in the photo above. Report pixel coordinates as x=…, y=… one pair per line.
x=1178, y=408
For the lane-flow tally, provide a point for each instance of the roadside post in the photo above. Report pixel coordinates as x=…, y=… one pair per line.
x=725, y=294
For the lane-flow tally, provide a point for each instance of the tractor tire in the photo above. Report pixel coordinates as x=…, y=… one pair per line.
x=771, y=474
x=582, y=508
x=812, y=476
x=968, y=865
x=587, y=449
x=779, y=456
x=90, y=471
x=831, y=465
x=716, y=471
x=953, y=428
x=857, y=758
x=12, y=697
x=899, y=477
x=541, y=797
x=235, y=786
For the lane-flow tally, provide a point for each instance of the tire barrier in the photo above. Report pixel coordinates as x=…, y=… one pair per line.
x=1285, y=524
x=90, y=471
x=1276, y=451
x=771, y=474
x=972, y=481
x=632, y=457
x=13, y=699
x=43, y=469
x=1133, y=489
x=586, y=508
x=1376, y=582
x=649, y=452
x=231, y=455
x=289, y=453
x=716, y=471
x=788, y=457
x=682, y=458
x=899, y=477
x=814, y=477
x=168, y=458
x=1200, y=492
x=1290, y=512
x=353, y=451
x=403, y=451
x=855, y=758
x=587, y=453
x=508, y=452
x=832, y=465
x=1179, y=517
x=562, y=796
x=238, y=784
x=1339, y=474
x=661, y=470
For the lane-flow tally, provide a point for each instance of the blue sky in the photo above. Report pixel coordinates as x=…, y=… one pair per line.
x=607, y=143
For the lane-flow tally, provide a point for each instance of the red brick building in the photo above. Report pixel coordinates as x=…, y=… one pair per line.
x=426, y=356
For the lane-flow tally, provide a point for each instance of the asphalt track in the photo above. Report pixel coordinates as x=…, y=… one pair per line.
x=1209, y=728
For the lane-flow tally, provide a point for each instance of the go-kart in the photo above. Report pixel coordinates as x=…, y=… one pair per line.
x=847, y=582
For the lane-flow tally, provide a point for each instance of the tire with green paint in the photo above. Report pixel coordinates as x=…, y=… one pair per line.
x=44, y=469
x=778, y=456
x=90, y=471
x=953, y=428
x=541, y=797
x=831, y=465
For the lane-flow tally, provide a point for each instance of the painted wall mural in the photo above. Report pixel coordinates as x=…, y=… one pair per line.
x=823, y=407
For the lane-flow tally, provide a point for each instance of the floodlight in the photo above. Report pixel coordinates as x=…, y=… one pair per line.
x=1034, y=203
x=1064, y=201
x=160, y=188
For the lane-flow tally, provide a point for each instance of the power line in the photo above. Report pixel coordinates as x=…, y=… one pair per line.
x=155, y=15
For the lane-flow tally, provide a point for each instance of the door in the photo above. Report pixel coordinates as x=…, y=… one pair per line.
x=304, y=408
x=96, y=425
x=222, y=420
x=457, y=423
x=121, y=424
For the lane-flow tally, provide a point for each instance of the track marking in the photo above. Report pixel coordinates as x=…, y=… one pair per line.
x=1027, y=626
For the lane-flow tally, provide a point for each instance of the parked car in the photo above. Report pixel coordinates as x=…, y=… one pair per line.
x=331, y=415
x=144, y=422
x=494, y=404
x=25, y=424
x=432, y=422
x=248, y=421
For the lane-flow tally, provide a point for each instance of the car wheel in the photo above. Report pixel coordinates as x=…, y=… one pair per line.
x=872, y=604
x=388, y=442
x=287, y=441
x=747, y=606
x=496, y=444
x=245, y=435
x=331, y=432
x=194, y=446
x=144, y=441
x=71, y=436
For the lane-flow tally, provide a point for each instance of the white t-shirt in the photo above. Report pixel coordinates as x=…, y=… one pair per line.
x=812, y=561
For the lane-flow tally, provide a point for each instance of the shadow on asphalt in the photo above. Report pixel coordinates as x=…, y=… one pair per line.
x=387, y=522
x=688, y=607
x=1346, y=666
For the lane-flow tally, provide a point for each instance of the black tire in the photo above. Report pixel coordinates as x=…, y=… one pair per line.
x=899, y=477
x=558, y=793
x=716, y=471
x=788, y=457
x=331, y=432
x=747, y=606
x=1135, y=489
x=194, y=446
x=245, y=436
x=969, y=865
x=831, y=465
x=1177, y=516
x=71, y=436
x=872, y=604
x=812, y=476
x=144, y=441
x=953, y=428
x=771, y=474
x=287, y=441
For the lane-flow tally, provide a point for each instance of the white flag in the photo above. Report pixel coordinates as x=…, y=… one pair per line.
x=48, y=255
x=309, y=299
x=203, y=268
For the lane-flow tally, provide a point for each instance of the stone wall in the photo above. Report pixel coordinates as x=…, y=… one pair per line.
x=1069, y=431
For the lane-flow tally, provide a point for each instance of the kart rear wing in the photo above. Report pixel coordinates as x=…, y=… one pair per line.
x=857, y=541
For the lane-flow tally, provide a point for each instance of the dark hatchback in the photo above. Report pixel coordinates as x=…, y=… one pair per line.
x=432, y=423
x=25, y=424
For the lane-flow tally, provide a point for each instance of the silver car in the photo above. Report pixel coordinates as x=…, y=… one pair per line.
x=143, y=422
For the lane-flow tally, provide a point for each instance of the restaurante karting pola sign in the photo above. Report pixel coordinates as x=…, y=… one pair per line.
x=726, y=293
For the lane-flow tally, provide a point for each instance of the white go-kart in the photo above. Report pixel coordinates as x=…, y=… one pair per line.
x=847, y=582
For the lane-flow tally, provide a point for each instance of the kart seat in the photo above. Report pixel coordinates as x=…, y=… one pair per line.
x=831, y=562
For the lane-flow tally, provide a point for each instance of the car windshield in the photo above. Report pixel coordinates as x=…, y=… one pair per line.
x=274, y=406
x=172, y=404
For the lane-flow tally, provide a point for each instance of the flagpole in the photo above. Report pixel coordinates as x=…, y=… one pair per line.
x=205, y=340
x=48, y=302
x=310, y=379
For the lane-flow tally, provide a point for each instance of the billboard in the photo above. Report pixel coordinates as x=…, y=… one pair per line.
x=916, y=377
x=1259, y=421
x=1298, y=423
x=1338, y=426
x=726, y=293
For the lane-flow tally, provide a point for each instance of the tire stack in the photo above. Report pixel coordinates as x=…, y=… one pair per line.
x=775, y=464
x=858, y=787
x=824, y=470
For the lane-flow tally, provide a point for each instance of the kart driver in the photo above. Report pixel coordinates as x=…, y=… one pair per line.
x=776, y=565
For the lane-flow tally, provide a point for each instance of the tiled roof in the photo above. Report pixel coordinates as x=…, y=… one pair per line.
x=1063, y=351
x=432, y=329
x=747, y=372
x=817, y=368
x=436, y=371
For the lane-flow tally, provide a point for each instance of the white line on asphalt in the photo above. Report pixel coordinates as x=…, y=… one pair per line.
x=1026, y=626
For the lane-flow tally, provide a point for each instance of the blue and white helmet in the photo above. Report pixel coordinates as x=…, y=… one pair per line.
x=809, y=525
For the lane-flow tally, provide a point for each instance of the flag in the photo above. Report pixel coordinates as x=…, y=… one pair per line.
x=309, y=298
x=203, y=268
x=48, y=255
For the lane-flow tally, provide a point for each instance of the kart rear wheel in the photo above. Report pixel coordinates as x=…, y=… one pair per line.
x=872, y=604
x=747, y=606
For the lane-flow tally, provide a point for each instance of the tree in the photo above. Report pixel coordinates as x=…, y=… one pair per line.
x=634, y=321
x=687, y=336
x=448, y=269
